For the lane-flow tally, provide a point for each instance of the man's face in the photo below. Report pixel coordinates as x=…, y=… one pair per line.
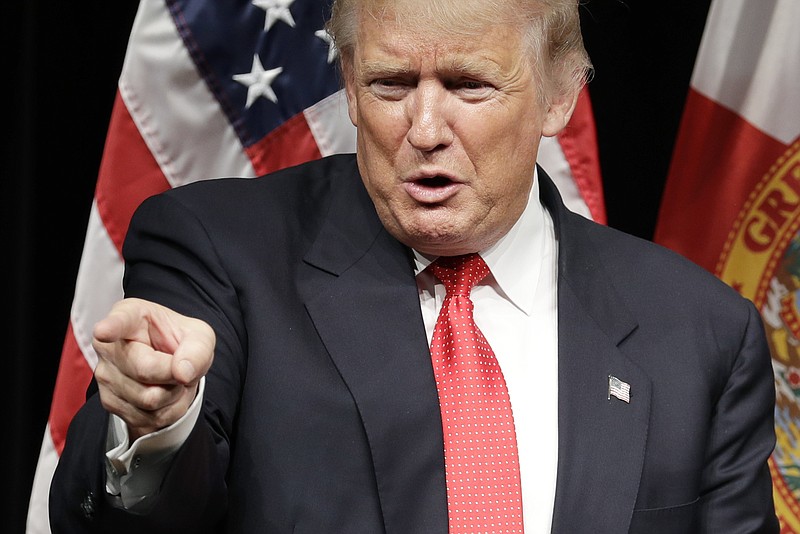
x=448, y=130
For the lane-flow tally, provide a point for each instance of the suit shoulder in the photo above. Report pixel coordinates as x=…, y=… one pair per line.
x=289, y=202
x=639, y=266
x=292, y=184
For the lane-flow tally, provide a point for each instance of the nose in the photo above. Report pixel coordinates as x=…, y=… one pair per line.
x=428, y=114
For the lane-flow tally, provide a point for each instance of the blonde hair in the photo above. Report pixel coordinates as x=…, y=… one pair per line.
x=552, y=32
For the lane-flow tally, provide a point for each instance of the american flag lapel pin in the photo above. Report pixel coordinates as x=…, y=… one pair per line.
x=619, y=389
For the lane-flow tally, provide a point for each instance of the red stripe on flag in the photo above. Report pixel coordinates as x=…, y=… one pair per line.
x=709, y=182
x=128, y=174
x=290, y=144
x=69, y=394
x=579, y=143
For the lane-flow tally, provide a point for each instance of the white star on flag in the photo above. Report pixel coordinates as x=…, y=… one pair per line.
x=258, y=82
x=332, y=51
x=276, y=10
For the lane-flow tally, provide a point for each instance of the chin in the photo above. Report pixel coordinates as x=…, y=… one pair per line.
x=440, y=244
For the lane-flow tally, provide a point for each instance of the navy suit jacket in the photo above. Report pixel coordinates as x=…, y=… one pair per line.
x=321, y=412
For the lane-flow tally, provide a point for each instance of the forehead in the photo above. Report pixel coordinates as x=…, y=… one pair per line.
x=453, y=18
x=454, y=36
x=446, y=12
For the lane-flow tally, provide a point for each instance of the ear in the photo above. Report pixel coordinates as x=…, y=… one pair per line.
x=350, y=90
x=558, y=113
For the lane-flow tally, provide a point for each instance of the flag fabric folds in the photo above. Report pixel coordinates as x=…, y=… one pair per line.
x=732, y=198
x=213, y=89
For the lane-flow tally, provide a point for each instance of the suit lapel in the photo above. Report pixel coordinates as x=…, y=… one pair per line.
x=601, y=439
x=361, y=295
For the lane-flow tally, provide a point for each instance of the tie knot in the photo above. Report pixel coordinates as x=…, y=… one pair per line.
x=459, y=274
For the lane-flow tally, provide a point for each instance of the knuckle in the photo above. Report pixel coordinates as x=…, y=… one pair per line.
x=163, y=419
x=152, y=399
x=102, y=349
x=111, y=403
x=101, y=374
x=148, y=366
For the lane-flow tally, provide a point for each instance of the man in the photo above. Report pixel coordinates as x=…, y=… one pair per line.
x=297, y=385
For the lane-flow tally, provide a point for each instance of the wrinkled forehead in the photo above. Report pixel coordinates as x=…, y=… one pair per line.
x=457, y=18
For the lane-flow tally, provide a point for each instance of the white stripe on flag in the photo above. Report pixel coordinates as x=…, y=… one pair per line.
x=38, y=520
x=552, y=159
x=725, y=59
x=330, y=125
x=98, y=286
x=175, y=112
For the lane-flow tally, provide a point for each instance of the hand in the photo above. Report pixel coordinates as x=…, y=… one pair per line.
x=150, y=361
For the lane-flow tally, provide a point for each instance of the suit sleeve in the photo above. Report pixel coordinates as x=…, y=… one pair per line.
x=737, y=488
x=170, y=259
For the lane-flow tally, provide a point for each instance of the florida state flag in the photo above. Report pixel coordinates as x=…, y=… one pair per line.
x=732, y=200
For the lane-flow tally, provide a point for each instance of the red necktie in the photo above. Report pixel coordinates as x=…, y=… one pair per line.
x=481, y=462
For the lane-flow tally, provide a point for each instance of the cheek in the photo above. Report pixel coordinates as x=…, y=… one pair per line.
x=379, y=117
x=504, y=155
x=518, y=144
x=376, y=165
x=502, y=127
x=381, y=137
x=504, y=151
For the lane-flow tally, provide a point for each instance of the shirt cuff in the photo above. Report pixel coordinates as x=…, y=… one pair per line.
x=135, y=471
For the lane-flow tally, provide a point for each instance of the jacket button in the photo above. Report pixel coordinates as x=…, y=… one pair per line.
x=89, y=505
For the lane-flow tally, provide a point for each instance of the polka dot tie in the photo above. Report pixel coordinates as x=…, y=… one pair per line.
x=480, y=445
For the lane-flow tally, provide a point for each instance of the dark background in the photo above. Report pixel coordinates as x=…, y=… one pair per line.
x=60, y=67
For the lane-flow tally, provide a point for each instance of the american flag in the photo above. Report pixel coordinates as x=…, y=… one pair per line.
x=619, y=389
x=211, y=89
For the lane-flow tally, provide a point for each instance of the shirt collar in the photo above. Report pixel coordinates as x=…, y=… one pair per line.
x=516, y=259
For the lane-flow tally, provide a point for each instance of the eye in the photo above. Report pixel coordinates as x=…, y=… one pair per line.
x=472, y=89
x=389, y=88
x=473, y=85
x=384, y=82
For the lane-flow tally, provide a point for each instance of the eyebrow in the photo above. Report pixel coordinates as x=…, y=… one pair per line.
x=471, y=66
x=371, y=68
x=460, y=65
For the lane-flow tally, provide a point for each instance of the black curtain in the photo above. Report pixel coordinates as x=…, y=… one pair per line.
x=63, y=60
x=61, y=64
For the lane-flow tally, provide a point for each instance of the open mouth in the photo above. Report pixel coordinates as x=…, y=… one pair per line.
x=433, y=189
x=435, y=181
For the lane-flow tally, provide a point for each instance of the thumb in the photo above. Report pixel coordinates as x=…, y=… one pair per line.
x=192, y=359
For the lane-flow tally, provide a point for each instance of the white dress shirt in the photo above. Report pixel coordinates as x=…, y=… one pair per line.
x=515, y=308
